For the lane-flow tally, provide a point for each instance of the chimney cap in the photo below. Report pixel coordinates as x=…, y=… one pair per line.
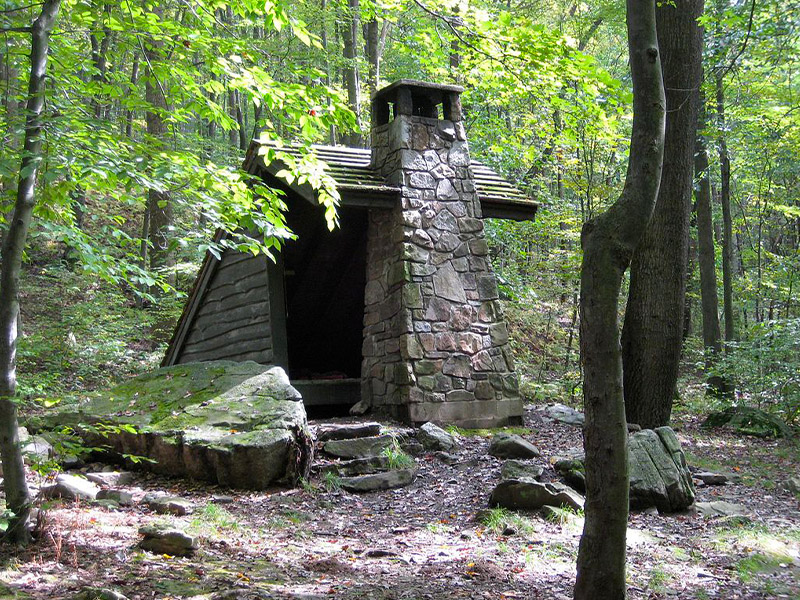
x=434, y=91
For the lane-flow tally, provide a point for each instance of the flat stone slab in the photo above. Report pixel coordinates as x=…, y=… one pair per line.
x=121, y=497
x=379, y=481
x=358, y=466
x=347, y=431
x=166, y=540
x=235, y=424
x=565, y=414
x=525, y=494
x=720, y=508
x=70, y=487
x=359, y=447
x=111, y=478
x=506, y=445
x=164, y=504
x=709, y=478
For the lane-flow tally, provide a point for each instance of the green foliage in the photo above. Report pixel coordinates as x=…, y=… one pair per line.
x=396, y=457
x=331, y=481
x=766, y=368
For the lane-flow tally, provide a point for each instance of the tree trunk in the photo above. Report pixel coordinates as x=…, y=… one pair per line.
x=652, y=335
x=608, y=245
x=351, y=76
x=372, y=50
x=159, y=204
x=712, y=338
x=16, y=488
x=134, y=83
x=727, y=222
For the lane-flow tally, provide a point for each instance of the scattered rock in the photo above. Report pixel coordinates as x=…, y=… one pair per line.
x=532, y=495
x=70, y=487
x=107, y=504
x=36, y=450
x=412, y=447
x=516, y=469
x=220, y=499
x=446, y=458
x=358, y=447
x=379, y=481
x=111, y=478
x=237, y=424
x=565, y=414
x=505, y=445
x=433, y=437
x=792, y=485
x=571, y=471
x=720, y=508
x=709, y=478
x=659, y=475
x=750, y=421
x=379, y=553
x=121, y=497
x=167, y=540
x=97, y=593
x=347, y=431
x=163, y=504
x=360, y=408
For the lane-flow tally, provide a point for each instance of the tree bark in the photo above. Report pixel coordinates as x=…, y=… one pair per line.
x=159, y=203
x=608, y=243
x=134, y=83
x=712, y=337
x=16, y=488
x=652, y=335
x=727, y=221
x=351, y=75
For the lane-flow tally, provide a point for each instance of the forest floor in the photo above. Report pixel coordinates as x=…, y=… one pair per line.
x=424, y=541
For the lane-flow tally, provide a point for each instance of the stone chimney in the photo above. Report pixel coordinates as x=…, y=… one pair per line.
x=435, y=343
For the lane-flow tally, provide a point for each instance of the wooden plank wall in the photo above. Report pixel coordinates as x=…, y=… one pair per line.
x=233, y=321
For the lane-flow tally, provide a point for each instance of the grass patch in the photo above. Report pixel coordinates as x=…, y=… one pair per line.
x=499, y=519
x=396, y=457
x=486, y=433
x=213, y=519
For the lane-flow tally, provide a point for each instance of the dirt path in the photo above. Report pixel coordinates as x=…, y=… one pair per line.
x=423, y=541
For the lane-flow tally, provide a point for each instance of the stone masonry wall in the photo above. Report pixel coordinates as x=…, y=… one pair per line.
x=435, y=343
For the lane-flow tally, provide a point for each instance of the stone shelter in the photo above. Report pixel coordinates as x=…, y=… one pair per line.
x=397, y=309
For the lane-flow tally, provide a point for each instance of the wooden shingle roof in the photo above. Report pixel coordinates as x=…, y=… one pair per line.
x=359, y=185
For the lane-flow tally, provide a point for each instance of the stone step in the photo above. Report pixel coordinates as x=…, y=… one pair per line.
x=379, y=481
x=347, y=431
x=357, y=466
x=358, y=447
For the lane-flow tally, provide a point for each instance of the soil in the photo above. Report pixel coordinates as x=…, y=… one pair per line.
x=427, y=540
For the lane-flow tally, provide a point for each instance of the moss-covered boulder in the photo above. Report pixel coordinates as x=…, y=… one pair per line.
x=237, y=424
x=659, y=475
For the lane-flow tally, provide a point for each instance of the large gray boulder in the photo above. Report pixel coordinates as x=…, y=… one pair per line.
x=659, y=474
x=236, y=424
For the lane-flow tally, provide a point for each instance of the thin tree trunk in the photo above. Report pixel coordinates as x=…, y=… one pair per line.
x=712, y=337
x=351, y=75
x=159, y=204
x=727, y=221
x=16, y=488
x=134, y=83
x=372, y=50
x=652, y=335
x=608, y=244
